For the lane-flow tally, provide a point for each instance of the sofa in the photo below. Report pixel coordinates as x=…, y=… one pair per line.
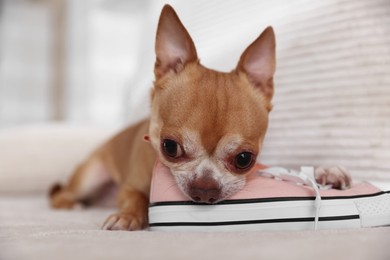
x=34, y=157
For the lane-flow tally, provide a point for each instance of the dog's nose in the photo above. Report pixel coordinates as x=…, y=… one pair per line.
x=205, y=189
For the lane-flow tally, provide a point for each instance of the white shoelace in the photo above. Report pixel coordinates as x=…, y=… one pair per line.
x=305, y=177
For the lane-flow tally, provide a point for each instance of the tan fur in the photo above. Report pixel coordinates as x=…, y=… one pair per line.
x=213, y=116
x=125, y=159
x=213, y=104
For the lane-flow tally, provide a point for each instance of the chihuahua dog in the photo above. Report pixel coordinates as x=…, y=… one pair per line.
x=206, y=126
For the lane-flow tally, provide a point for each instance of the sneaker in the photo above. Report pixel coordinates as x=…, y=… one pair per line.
x=273, y=199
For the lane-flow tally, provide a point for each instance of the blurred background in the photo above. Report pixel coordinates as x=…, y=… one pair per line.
x=90, y=62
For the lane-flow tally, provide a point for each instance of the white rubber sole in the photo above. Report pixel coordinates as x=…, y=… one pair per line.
x=291, y=213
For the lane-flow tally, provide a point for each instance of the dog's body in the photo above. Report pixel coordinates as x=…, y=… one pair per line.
x=206, y=126
x=126, y=160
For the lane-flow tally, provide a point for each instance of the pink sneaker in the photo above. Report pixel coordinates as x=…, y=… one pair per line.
x=273, y=199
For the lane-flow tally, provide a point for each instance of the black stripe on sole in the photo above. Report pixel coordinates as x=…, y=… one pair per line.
x=263, y=200
x=248, y=222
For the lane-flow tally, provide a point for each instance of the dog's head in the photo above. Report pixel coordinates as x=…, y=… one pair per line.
x=208, y=126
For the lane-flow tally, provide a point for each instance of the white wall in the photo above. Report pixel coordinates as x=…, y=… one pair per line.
x=332, y=96
x=25, y=49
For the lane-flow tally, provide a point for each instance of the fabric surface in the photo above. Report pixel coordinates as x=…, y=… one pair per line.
x=29, y=229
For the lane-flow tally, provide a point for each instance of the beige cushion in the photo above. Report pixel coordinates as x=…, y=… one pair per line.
x=31, y=230
x=32, y=158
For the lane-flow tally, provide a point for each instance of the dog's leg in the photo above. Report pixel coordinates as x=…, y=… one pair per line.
x=85, y=182
x=336, y=176
x=133, y=214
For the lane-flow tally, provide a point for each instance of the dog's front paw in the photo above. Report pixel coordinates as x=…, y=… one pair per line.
x=60, y=198
x=336, y=176
x=123, y=221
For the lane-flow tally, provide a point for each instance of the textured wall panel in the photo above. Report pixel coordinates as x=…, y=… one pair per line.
x=332, y=102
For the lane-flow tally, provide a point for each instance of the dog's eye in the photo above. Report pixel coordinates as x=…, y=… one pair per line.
x=171, y=149
x=243, y=161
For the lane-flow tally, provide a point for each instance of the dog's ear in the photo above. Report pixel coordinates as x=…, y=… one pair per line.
x=258, y=62
x=174, y=46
